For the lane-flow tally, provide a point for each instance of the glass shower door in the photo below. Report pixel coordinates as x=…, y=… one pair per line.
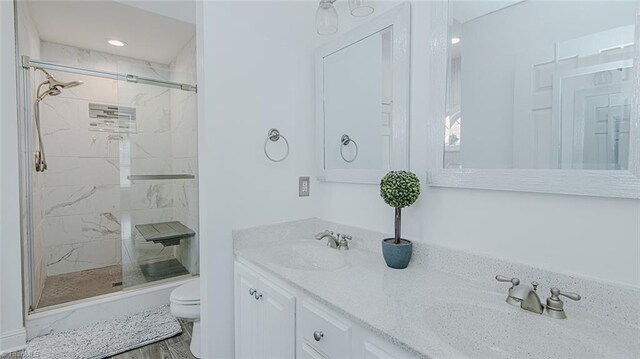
x=158, y=168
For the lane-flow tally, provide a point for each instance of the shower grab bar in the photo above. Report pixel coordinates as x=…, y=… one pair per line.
x=160, y=177
x=28, y=62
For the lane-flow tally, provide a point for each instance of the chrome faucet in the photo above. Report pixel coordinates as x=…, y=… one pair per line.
x=522, y=295
x=331, y=239
x=527, y=298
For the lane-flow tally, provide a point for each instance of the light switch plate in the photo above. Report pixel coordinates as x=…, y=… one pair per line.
x=303, y=186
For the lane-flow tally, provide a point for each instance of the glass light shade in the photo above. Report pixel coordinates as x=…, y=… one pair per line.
x=326, y=18
x=360, y=8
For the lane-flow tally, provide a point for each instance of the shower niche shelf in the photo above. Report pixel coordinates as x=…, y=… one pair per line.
x=165, y=233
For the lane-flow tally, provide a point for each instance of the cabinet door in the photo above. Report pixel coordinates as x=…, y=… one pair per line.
x=278, y=328
x=247, y=314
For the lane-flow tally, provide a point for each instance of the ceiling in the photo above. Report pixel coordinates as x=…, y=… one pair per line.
x=465, y=10
x=89, y=24
x=183, y=10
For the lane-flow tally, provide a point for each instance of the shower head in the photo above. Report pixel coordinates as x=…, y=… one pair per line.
x=54, y=85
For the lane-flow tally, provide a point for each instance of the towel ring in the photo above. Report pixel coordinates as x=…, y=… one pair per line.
x=274, y=135
x=345, y=141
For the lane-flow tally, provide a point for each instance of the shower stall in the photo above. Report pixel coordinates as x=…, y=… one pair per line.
x=108, y=171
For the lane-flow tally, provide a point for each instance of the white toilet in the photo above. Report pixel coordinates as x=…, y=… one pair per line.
x=185, y=304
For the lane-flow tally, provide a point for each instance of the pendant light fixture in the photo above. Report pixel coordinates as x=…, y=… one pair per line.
x=327, y=16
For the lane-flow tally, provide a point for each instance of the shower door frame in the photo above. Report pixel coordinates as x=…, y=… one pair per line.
x=26, y=180
x=26, y=145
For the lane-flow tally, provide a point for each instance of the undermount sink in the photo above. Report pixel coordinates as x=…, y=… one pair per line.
x=486, y=332
x=308, y=255
x=484, y=326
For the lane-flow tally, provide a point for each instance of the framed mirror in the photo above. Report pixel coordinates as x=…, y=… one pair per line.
x=362, y=100
x=542, y=106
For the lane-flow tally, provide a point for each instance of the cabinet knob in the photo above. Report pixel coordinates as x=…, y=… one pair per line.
x=257, y=295
x=317, y=335
x=252, y=291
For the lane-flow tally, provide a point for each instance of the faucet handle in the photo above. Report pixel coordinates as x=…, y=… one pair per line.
x=343, y=242
x=514, y=281
x=555, y=306
x=555, y=293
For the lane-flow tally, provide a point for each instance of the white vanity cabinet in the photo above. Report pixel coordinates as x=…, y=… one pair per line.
x=274, y=320
x=265, y=317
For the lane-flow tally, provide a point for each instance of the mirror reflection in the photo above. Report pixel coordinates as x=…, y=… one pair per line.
x=357, y=97
x=539, y=84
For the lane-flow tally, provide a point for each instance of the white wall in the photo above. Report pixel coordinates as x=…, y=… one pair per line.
x=12, y=334
x=593, y=237
x=256, y=73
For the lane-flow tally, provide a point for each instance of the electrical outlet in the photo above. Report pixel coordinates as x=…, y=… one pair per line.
x=303, y=186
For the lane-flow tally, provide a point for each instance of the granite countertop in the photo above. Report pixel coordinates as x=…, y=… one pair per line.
x=434, y=313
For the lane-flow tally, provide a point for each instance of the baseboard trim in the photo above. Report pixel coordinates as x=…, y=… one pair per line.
x=13, y=340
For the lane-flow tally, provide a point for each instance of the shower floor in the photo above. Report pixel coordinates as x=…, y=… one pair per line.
x=68, y=287
x=63, y=288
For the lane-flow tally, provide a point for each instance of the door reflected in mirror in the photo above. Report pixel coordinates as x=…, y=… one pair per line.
x=539, y=84
x=357, y=96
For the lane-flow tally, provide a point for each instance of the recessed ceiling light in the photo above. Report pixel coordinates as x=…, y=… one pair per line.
x=115, y=42
x=455, y=40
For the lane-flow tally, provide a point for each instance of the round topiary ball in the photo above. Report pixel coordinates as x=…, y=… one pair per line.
x=400, y=189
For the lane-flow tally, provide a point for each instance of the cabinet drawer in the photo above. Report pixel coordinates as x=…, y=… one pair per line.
x=335, y=340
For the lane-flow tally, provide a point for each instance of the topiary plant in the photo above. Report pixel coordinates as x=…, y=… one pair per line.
x=399, y=189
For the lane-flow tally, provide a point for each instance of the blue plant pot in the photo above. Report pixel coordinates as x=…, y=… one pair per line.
x=397, y=256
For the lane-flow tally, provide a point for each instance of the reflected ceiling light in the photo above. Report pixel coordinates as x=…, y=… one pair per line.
x=326, y=18
x=360, y=8
x=455, y=40
x=117, y=43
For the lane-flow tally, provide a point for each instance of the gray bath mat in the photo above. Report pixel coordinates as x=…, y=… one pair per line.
x=107, y=338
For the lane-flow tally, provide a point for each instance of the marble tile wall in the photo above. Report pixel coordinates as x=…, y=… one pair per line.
x=89, y=207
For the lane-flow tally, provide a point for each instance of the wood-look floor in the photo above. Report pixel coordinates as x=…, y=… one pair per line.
x=176, y=347
x=173, y=348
